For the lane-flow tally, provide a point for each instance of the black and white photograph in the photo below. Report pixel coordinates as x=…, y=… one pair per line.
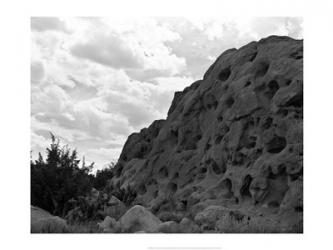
x=167, y=125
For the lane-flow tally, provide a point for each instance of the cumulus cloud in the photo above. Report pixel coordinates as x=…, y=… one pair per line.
x=294, y=26
x=108, y=50
x=109, y=77
x=42, y=24
x=203, y=40
x=37, y=72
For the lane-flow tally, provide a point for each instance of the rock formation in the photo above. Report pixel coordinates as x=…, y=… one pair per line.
x=232, y=144
x=44, y=222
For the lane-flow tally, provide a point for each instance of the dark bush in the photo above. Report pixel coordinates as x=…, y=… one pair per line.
x=59, y=178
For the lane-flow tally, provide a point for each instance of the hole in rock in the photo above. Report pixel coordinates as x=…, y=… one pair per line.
x=225, y=87
x=298, y=209
x=297, y=54
x=288, y=82
x=155, y=193
x=260, y=87
x=294, y=177
x=281, y=170
x=176, y=175
x=224, y=74
x=226, y=184
x=296, y=101
x=216, y=168
x=198, y=137
x=267, y=123
x=143, y=150
x=273, y=86
x=245, y=189
x=207, y=147
x=230, y=101
x=248, y=83
x=276, y=145
x=203, y=170
x=174, y=133
x=184, y=203
x=220, y=119
x=142, y=189
x=238, y=158
x=253, y=57
x=152, y=182
x=218, y=139
x=250, y=142
x=262, y=69
x=273, y=204
x=172, y=187
x=163, y=172
x=283, y=112
x=119, y=171
x=271, y=175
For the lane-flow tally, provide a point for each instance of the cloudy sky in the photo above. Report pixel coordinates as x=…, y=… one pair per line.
x=96, y=80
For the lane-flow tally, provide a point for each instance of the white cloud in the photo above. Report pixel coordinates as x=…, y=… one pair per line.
x=108, y=50
x=37, y=72
x=177, y=83
x=42, y=24
x=109, y=77
x=133, y=45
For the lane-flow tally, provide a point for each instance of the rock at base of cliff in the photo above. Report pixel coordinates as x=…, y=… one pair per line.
x=137, y=219
x=44, y=222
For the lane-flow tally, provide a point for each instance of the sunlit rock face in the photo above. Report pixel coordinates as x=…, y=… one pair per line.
x=233, y=139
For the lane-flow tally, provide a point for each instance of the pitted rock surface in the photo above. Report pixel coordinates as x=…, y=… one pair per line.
x=233, y=139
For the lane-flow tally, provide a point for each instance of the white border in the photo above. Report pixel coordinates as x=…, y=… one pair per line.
x=15, y=122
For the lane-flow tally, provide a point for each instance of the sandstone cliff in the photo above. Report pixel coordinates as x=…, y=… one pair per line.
x=233, y=140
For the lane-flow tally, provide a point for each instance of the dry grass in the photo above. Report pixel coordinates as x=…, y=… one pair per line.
x=85, y=227
x=256, y=225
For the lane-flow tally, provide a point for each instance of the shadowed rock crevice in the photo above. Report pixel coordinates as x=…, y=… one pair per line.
x=224, y=74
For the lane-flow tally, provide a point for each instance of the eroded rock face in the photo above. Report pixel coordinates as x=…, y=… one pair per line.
x=233, y=139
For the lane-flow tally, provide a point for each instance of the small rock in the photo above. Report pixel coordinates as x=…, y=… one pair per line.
x=210, y=215
x=115, y=208
x=139, y=218
x=109, y=225
x=169, y=227
x=188, y=226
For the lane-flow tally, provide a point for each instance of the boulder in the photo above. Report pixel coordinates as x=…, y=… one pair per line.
x=169, y=227
x=188, y=226
x=170, y=216
x=44, y=222
x=109, y=225
x=210, y=215
x=114, y=208
x=139, y=218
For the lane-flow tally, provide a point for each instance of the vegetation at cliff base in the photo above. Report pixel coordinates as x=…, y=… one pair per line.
x=60, y=178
